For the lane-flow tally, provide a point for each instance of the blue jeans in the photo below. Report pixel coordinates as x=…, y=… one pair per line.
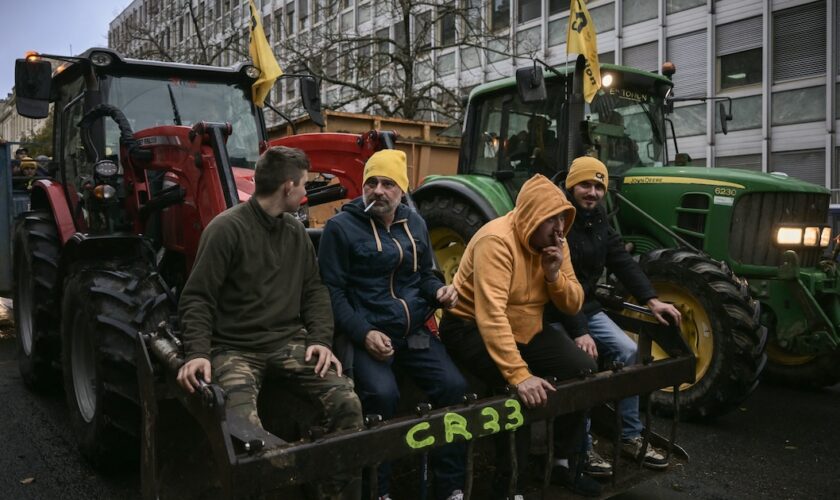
x=614, y=345
x=434, y=372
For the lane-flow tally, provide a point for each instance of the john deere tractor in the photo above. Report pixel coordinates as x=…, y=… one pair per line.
x=698, y=232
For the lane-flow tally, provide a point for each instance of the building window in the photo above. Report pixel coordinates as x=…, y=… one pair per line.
x=688, y=53
x=636, y=11
x=528, y=41
x=672, y=6
x=470, y=58
x=446, y=25
x=557, y=31
x=290, y=18
x=423, y=70
x=303, y=15
x=739, y=53
x=555, y=6
x=689, y=120
x=837, y=101
x=603, y=18
x=347, y=22
x=807, y=165
x=607, y=58
x=446, y=64
x=799, y=40
x=497, y=50
x=746, y=114
x=362, y=14
x=528, y=10
x=799, y=106
x=740, y=69
x=499, y=14
x=423, y=29
x=644, y=57
x=744, y=162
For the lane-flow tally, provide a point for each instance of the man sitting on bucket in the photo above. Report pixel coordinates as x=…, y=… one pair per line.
x=513, y=267
x=594, y=245
x=377, y=262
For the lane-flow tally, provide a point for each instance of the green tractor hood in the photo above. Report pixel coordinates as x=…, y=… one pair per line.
x=721, y=177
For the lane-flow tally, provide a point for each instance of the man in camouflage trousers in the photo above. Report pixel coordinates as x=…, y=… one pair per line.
x=254, y=305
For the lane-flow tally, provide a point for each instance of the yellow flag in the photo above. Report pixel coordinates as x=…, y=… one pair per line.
x=581, y=40
x=263, y=58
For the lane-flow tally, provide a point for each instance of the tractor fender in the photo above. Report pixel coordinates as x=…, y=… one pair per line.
x=447, y=186
x=49, y=195
x=127, y=248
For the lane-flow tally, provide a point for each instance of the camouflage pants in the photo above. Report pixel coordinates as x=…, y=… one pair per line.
x=241, y=375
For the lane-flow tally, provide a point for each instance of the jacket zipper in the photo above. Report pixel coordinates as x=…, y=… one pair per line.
x=393, y=294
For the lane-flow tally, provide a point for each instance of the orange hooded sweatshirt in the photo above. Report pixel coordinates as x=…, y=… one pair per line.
x=500, y=280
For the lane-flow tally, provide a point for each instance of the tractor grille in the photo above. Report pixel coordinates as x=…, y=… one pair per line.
x=755, y=216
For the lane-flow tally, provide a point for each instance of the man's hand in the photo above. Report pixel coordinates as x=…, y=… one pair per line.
x=325, y=359
x=447, y=296
x=551, y=258
x=378, y=345
x=661, y=309
x=534, y=391
x=586, y=343
x=190, y=371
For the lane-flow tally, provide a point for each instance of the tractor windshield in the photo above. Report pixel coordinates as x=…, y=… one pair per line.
x=624, y=129
x=148, y=102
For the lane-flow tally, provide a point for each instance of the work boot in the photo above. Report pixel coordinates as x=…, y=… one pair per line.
x=595, y=465
x=456, y=495
x=576, y=482
x=653, y=458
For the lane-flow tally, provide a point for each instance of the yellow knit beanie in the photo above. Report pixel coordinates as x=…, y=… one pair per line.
x=388, y=163
x=587, y=168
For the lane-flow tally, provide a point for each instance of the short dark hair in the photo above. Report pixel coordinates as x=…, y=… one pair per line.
x=21, y=150
x=276, y=166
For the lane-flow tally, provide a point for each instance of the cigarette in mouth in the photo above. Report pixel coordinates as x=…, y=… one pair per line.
x=369, y=205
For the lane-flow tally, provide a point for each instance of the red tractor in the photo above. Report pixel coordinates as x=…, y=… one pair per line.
x=146, y=154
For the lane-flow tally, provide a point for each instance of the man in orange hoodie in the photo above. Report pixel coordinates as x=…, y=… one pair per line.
x=511, y=268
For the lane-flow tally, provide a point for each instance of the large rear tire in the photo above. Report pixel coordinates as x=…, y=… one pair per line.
x=103, y=309
x=36, y=254
x=720, y=324
x=452, y=222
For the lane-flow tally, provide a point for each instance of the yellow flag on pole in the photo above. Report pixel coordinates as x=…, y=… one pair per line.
x=581, y=40
x=263, y=58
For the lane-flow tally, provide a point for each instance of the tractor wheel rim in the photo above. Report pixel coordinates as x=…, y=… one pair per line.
x=26, y=289
x=696, y=328
x=83, y=359
x=449, y=247
x=782, y=356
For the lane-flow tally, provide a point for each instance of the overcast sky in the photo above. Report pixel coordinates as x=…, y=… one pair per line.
x=61, y=27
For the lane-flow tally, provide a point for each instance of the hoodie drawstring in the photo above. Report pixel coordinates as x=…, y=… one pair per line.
x=411, y=239
x=376, y=236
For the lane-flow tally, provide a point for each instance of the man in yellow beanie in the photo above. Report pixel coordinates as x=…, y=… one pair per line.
x=376, y=261
x=593, y=246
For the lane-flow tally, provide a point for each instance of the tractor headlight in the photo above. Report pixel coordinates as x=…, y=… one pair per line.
x=789, y=236
x=106, y=168
x=812, y=236
x=825, y=237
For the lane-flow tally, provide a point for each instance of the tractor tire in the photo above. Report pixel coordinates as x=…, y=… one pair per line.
x=37, y=250
x=452, y=222
x=105, y=306
x=720, y=324
x=797, y=370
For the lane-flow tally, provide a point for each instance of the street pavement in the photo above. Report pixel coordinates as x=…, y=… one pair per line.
x=780, y=444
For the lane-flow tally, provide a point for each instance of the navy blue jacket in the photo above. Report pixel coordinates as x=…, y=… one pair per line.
x=378, y=279
x=594, y=245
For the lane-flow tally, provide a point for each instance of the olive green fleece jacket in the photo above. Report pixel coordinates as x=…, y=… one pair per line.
x=254, y=284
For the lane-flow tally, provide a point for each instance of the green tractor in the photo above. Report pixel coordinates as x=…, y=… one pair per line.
x=698, y=232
